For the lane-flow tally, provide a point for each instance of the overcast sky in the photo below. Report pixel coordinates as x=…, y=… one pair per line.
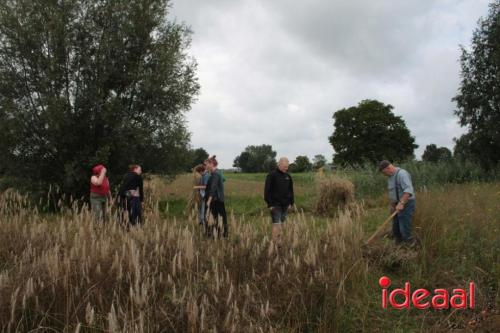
x=274, y=72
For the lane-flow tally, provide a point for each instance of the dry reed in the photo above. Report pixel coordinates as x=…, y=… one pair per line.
x=66, y=273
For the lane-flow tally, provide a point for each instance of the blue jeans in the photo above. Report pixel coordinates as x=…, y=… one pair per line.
x=401, y=224
x=201, y=211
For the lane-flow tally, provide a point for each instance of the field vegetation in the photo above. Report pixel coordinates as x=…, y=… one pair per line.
x=63, y=272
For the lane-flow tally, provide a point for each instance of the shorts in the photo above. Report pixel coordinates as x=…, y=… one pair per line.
x=278, y=214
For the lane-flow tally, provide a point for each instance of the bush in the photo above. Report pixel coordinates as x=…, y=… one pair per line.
x=369, y=182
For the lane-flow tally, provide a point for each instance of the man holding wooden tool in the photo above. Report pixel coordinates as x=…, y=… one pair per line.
x=402, y=196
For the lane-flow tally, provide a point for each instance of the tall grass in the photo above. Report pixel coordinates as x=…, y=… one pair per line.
x=369, y=182
x=67, y=273
x=458, y=227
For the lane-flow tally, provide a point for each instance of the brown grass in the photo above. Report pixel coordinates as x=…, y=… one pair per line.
x=64, y=273
x=70, y=274
x=334, y=194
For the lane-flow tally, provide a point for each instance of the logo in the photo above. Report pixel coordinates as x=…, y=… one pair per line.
x=424, y=299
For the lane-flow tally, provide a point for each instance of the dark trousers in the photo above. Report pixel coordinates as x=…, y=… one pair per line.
x=133, y=206
x=218, y=209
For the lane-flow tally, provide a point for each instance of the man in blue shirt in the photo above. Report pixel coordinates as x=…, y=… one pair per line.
x=402, y=197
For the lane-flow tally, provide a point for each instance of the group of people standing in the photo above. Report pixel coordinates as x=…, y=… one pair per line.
x=279, y=196
x=130, y=195
x=209, y=197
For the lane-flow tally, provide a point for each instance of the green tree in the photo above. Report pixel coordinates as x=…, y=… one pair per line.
x=242, y=161
x=85, y=82
x=269, y=164
x=463, y=146
x=478, y=100
x=301, y=164
x=256, y=159
x=319, y=161
x=434, y=154
x=370, y=132
x=198, y=156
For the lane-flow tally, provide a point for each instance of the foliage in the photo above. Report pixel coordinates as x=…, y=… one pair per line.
x=478, y=100
x=434, y=154
x=166, y=277
x=463, y=147
x=256, y=159
x=319, y=161
x=196, y=156
x=301, y=164
x=85, y=82
x=370, y=183
x=370, y=132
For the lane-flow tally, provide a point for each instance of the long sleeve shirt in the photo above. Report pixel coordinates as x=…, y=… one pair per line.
x=215, y=186
x=132, y=181
x=278, y=190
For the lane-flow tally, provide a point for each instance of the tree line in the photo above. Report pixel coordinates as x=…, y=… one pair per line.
x=85, y=82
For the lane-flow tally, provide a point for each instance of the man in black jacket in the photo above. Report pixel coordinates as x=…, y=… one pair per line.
x=278, y=194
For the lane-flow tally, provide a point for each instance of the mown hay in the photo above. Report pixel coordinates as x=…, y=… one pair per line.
x=334, y=194
x=389, y=255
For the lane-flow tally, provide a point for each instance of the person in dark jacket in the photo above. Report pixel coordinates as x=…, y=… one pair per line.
x=278, y=194
x=132, y=194
x=215, y=199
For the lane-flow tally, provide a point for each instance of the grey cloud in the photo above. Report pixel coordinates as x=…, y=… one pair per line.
x=275, y=71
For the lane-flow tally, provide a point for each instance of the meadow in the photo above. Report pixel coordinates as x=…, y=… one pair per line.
x=63, y=273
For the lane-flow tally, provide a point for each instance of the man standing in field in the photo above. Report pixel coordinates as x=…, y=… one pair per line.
x=278, y=194
x=402, y=196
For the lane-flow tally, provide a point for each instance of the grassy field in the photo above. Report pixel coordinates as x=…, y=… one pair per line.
x=64, y=272
x=244, y=192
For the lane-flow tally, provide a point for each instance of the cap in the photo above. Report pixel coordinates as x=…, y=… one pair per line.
x=383, y=164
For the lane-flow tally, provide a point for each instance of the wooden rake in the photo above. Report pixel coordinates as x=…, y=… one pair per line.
x=380, y=229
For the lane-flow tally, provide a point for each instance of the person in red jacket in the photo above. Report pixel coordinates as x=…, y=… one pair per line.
x=99, y=192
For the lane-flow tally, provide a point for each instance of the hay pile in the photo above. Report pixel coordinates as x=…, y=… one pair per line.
x=389, y=255
x=334, y=194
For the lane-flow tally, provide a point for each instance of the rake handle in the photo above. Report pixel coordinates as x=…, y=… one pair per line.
x=382, y=227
